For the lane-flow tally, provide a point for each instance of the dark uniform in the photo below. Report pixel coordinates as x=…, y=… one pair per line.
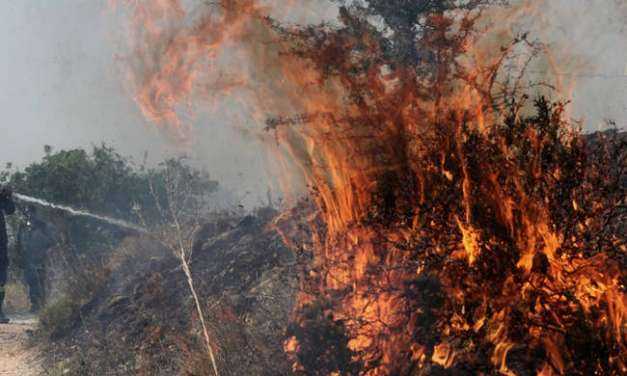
x=6, y=207
x=35, y=239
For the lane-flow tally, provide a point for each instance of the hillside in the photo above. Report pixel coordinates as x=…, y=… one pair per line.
x=143, y=320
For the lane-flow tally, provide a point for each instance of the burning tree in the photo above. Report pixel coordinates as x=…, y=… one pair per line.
x=452, y=224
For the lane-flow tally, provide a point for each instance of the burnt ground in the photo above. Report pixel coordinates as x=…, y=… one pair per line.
x=143, y=320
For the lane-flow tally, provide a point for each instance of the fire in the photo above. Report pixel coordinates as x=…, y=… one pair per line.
x=451, y=223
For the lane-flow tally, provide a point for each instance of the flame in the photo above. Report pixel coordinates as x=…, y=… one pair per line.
x=443, y=225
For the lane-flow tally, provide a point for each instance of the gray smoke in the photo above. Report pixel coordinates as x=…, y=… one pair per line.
x=62, y=84
x=588, y=39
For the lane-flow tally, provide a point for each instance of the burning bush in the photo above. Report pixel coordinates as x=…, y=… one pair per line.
x=501, y=251
x=456, y=227
x=453, y=231
x=451, y=225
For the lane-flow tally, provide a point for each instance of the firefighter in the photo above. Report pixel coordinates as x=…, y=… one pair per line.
x=6, y=207
x=35, y=238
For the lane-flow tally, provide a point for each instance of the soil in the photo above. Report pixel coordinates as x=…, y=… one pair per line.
x=18, y=357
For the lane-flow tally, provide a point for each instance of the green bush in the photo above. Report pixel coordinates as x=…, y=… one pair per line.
x=103, y=182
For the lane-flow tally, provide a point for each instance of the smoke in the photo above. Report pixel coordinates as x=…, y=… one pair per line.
x=207, y=120
x=60, y=85
x=587, y=39
x=64, y=85
x=188, y=76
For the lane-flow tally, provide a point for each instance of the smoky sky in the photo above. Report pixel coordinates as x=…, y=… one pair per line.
x=589, y=40
x=61, y=84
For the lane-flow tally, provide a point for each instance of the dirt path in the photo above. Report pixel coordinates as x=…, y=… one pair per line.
x=16, y=357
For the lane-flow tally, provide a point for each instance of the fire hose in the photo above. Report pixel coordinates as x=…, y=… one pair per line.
x=82, y=213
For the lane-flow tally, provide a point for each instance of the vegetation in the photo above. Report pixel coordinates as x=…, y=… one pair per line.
x=104, y=182
x=459, y=227
x=446, y=230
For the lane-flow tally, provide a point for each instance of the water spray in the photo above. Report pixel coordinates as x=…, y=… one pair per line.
x=82, y=213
